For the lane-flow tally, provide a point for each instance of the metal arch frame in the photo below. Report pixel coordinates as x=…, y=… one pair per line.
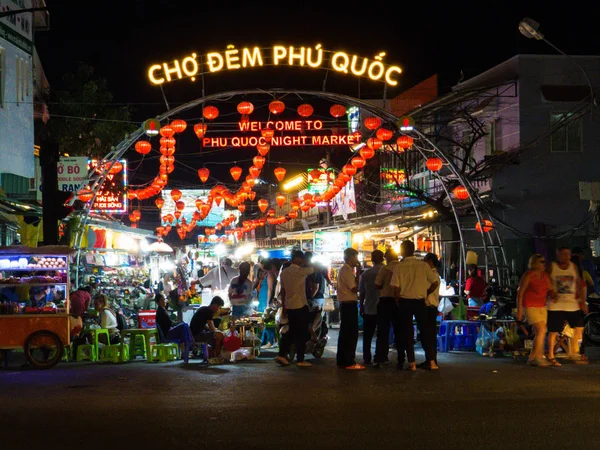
x=95, y=179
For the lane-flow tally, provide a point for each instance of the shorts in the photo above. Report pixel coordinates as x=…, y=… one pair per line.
x=207, y=337
x=536, y=315
x=557, y=319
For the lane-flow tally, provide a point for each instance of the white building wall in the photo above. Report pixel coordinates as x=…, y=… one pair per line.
x=16, y=82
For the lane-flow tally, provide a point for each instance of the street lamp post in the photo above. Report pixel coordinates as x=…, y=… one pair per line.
x=530, y=29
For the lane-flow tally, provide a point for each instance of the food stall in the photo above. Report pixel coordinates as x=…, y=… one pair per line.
x=28, y=321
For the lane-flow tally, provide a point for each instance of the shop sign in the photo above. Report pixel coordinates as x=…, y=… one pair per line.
x=392, y=178
x=17, y=28
x=72, y=173
x=112, y=196
x=332, y=241
x=344, y=202
x=321, y=184
x=300, y=127
x=193, y=65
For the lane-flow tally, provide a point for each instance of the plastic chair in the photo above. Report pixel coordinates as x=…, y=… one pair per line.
x=87, y=352
x=164, y=352
x=186, y=346
x=138, y=347
x=118, y=353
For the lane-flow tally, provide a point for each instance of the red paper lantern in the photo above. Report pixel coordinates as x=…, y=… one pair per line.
x=372, y=123
x=340, y=182
x=245, y=108
x=307, y=197
x=280, y=173
x=85, y=195
x=159, y=202
x=295, y=204
x=305, y=207
x=487, y=226
x=199, y=203
x=218, y=199
x=263, y=205
x=293, y=214
x=200, y=130
x=210, y=112
x=143, y=147
x=305, y=110
x=349, y=170
x=267, y=133
x=241, y=208
x=252, y=195
x=167, y=160
x=250, y=181
x=131, y=195
x=404, y=142
x=175, y=194
x=317, y=198
x=179, y=125
x=254, y=172
x=367, y=152
x=374, y=143
x=180, y=205
x=384, y=134
x=461, y=192
x=132, y=218
x=276, y=107
x=236, y=172
x=167, y=151
x=203, y=173
x=116, y=168
x=434, y=164
x=315, y=174
x=358, y=162
x=337, y=111
x=271, y=213
x=259, y=161
x=280, y=199
x=263, y=149
x=167, y=142
x=166, y=131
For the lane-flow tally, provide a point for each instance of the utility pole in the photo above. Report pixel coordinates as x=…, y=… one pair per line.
x=48, y=163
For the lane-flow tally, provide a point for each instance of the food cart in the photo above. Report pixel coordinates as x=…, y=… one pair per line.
x=39, y=327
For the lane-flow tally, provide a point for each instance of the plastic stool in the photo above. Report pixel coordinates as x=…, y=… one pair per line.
x=139, y=347
x=114, y=353
x=86, y=352
x=67, y=353
x=97, y=334
x=164, y=352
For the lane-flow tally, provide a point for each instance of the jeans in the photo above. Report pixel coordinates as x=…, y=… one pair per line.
x=369, y=325
x=297, y=334
x=387, y=313
x=268, y=337
x=409, y=308
x=348, y=337
x=181, y=333
x=430, y=338
x=473, y=301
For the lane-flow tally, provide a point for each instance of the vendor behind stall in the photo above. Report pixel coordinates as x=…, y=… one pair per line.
x=240, y=292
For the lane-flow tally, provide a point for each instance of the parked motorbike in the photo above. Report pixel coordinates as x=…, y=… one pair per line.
x=316, y=348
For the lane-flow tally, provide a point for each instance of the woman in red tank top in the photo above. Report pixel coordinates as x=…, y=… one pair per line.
x=534, y=289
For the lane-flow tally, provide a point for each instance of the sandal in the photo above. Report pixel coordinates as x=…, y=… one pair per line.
x=580, y=359
x=554, y=362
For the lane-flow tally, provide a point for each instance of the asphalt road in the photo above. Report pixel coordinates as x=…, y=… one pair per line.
x=472, y=402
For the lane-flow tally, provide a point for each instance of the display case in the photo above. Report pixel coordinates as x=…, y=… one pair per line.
x=34, y=302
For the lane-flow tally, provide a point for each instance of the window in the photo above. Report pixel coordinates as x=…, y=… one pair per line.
x=567, y=137
x=22, y=70
x=493, y=141
x=2, y=70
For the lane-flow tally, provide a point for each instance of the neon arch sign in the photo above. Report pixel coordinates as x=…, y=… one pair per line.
x=315, y=57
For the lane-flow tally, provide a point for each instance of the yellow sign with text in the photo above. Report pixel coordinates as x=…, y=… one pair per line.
x=312, y=57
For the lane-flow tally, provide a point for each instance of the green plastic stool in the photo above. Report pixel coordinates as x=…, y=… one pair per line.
x=164, y=352
x=67, y=353
x=139, y=347
x=114, y=353
x=87, y=352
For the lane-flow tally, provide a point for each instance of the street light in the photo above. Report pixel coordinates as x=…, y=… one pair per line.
x=530, y=29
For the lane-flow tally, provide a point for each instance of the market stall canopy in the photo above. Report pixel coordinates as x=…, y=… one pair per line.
x=43, y=250
x=160, y=247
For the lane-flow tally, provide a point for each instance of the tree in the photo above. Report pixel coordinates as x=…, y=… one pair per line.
x=82, y=119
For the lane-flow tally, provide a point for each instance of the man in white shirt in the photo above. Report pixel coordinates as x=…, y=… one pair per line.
x=414, y=281
x=387, y=311
x=219, y=278
x=347, y=289
x=293, y=296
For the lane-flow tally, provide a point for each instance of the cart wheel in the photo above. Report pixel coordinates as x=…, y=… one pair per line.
x=43, y=349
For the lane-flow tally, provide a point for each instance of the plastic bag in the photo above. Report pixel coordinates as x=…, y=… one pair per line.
x=329, y=305
x=445, y=305
x=241, y=354
x=232, y=341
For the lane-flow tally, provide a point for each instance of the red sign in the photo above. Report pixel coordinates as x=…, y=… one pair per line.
x=112, y=197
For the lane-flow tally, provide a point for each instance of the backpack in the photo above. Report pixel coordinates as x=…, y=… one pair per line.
x=121, y=321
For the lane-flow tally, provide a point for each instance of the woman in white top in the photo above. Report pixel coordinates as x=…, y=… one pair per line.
x=431, y=302
x=108, y=320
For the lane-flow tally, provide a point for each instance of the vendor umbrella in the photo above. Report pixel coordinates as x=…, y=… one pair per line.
x=160, y=247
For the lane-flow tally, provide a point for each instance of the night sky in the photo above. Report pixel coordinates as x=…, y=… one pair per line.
x=122, y=38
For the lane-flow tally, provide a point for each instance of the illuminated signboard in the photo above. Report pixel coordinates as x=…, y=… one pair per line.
x=332, y=241
x=232, y=58
x=300, y=127
x=320, y=185
x=391, y=178
x=353, y=118
x=112, y=197
x=189, y=197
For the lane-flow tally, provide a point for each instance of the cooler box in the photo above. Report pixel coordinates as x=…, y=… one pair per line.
x=147, y=318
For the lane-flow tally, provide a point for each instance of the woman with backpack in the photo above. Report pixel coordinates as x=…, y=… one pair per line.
x=108, y=318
